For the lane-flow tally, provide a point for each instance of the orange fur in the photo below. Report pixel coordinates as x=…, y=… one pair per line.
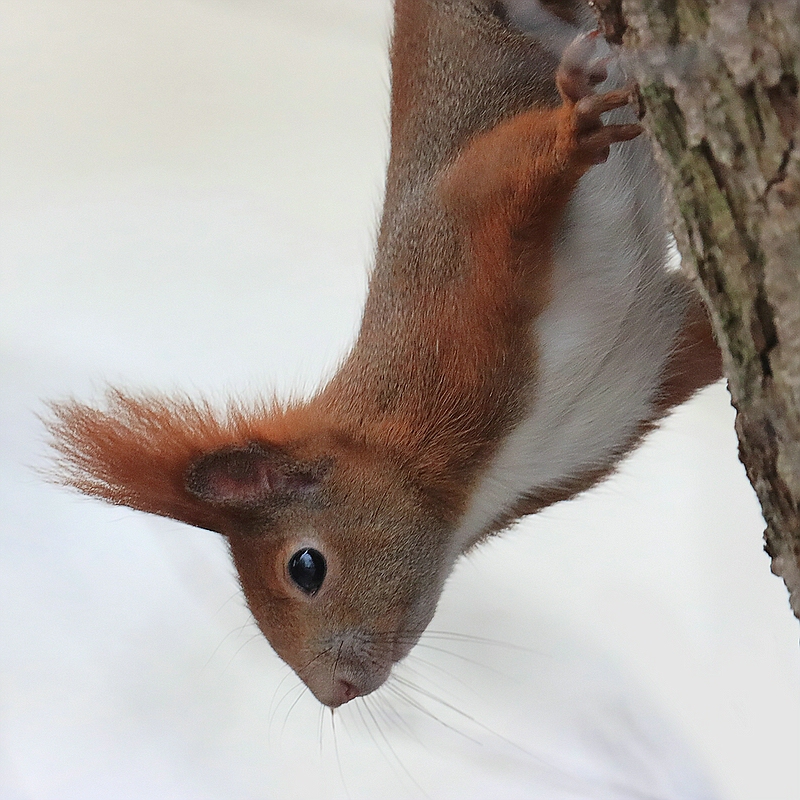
x=696, y=360
x=137, y=451
x=483, y=164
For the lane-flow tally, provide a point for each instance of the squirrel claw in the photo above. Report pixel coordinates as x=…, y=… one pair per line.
x=578, y=73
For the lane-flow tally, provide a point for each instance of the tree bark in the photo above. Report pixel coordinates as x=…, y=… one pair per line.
x=719, y=84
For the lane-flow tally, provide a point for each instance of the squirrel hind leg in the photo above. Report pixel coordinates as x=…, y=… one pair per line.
x=696, y=360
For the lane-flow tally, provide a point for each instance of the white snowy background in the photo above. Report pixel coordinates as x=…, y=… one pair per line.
x=189, y=194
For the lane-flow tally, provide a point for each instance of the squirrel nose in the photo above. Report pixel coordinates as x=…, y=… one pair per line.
x=335, y=682
x=343, y=692
x=334, y=692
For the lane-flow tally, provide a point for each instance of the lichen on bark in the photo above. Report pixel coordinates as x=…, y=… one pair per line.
x=719, y=83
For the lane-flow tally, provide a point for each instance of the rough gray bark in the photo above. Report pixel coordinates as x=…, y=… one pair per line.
x=719, y=82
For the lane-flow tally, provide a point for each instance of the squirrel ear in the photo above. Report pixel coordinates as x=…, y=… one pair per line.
x=246, y=477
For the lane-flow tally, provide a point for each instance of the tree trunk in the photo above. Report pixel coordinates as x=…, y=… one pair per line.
x=719, y=83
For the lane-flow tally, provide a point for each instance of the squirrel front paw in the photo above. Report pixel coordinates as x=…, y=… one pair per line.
x=578, y=73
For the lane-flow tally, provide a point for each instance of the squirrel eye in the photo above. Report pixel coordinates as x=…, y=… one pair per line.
x=307, y=569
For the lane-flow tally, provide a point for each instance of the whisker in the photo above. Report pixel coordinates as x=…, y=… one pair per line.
x=452, y=636
x=338, y=758
x=439, y=668
x=222, y=641
x=344, y=725
x=565, y=777
x=460, y=657
x=312, y=660
x=237, y=593
x=336, y=663
x=468, y=638
x=422, y=639
x=302, y=688
x=463, y=714
x=406, y=698
x=395, y=718
x=406, y=666
x=396, y=758
x=273, y=708
x=359, y=706
x=239, y=650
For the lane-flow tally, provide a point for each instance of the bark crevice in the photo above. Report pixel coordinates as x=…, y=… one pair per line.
x=719, y=82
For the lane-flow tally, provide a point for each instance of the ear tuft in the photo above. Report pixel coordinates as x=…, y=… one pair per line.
x=140, y=450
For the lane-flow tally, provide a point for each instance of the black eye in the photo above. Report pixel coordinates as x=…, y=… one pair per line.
x=307, y=569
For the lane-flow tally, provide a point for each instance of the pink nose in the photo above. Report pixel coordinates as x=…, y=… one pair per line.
x=342, y=692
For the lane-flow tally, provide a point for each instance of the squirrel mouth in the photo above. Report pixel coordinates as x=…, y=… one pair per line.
x=352, y=664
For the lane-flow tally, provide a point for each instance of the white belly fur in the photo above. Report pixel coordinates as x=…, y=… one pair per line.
x=602, y=343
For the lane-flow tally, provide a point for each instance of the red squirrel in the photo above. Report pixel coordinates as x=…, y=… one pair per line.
x=520, y=335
